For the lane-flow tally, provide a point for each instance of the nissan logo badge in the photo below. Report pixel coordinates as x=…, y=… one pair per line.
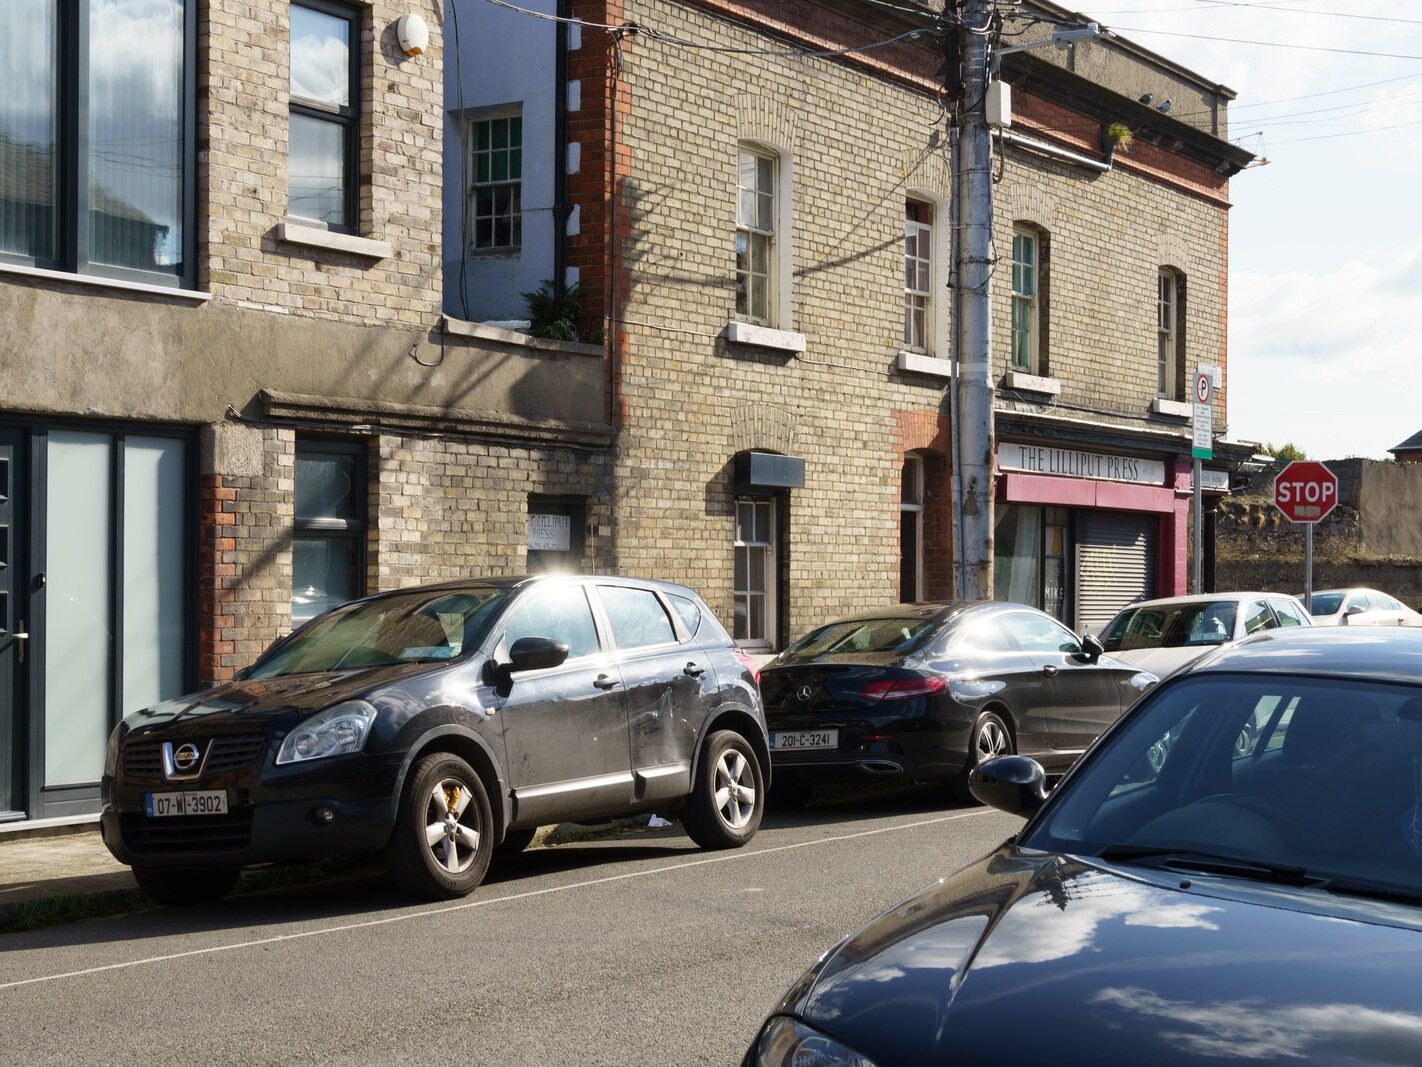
x=185, y=757
x=804, y=692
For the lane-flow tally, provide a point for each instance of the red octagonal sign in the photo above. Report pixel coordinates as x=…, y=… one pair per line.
x=1306, y=491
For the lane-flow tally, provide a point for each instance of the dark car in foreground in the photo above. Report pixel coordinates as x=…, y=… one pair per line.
x=924, y=692
x=1262, y=906
x=436, y=723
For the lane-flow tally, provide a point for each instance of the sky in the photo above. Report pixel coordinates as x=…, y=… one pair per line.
x=1325, y=346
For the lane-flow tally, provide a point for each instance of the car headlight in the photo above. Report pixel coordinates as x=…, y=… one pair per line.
x=787, y=1042
x=1143, y=680
x=333, y=732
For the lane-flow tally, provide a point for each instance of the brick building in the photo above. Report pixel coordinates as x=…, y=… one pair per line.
x=228, y=395
x=773, y=281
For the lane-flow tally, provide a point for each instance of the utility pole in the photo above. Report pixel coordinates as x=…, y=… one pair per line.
x=972, y=318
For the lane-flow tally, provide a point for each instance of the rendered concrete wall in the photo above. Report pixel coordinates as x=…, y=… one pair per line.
x=506, y=60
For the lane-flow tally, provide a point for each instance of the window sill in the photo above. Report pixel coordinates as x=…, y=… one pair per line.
x=1031, y=383
x=747, y=333
x=1176, y=409
x=483, y=332
x=295, y=233
x=922, y=363
x=193, y=296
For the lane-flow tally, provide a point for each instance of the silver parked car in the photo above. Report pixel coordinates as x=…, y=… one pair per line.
x=1161, y=636
x=1361, y=607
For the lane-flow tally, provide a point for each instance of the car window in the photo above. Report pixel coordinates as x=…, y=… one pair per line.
x=1039, y=633
x=688, y=611
x=1383, y=602
x=1171, y=626
x=986, y=635
x=1288, y=614
x=1326, y=603
x=558, y=611
x=637, y=616
x=853, y=636
x=1360, y=600
x=1258, y=616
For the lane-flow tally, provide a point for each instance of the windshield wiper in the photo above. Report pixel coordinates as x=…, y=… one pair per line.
x=1208, y=862
x=1360, y=887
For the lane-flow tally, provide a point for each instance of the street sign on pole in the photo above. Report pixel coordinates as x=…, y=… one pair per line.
x=1202, y=445
x=1306, y=491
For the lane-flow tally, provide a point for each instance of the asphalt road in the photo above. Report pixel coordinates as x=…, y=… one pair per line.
x=638, y=950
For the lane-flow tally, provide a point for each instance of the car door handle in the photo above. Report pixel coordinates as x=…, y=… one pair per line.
x=693, y=670
x=1050, y=670
x=604, y=681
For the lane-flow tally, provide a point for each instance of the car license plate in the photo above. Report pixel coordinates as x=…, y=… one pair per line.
x=786, y=740
x=206, y=802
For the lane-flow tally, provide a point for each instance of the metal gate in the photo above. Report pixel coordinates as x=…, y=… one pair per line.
x=1115, y=564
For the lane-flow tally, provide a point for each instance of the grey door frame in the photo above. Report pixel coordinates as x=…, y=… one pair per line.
x=14, y=617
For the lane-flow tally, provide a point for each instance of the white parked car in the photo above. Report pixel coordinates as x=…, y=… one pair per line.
x=1162, y=635
x=1361, y=607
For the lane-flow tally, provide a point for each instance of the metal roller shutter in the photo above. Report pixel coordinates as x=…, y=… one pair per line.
x=1115, y=565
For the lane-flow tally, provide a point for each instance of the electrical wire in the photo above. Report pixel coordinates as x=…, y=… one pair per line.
x=558, y=18
x=1267, y=7
x=662, y=37
x=1273, y=44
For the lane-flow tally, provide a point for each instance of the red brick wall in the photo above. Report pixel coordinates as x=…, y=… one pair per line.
x=925, y=433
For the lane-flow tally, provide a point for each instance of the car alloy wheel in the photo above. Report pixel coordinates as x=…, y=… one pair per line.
x=735, y=789
x=453, y=841
x=992, y=740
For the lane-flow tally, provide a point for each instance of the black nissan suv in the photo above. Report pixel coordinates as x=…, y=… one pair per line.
x=437, y=723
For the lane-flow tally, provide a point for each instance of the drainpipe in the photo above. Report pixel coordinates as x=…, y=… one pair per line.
x=560, y=156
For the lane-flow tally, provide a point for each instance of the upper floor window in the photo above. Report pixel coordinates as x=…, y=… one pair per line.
x=96, y=137
x=1026, y=311
x=1168, y=334
x=496, y=196
x=756, y=268
x=323, y=153
x=918, y=276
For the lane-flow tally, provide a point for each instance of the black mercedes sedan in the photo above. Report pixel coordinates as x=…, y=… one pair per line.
x=924, y=692
x=434, y=724
x=1261, y=905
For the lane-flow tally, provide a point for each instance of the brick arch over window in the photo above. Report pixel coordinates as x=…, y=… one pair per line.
x=927, y=175
x=767, y=122
x=1174, y=253
x=1028, y=207
x=763, y=428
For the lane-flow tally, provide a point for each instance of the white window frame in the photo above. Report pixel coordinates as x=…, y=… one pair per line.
x=919, y=260
x=749, y=232
x=475, y=185
x=768, y=596
x=1031, y=296
x=1167, y=322
x=912, y=486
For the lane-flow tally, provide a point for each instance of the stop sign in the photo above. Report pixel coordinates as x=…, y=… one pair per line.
x=1306, y=491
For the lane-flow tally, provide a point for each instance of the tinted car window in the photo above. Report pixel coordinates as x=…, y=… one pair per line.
x=1171, y=626
x=403, y=628
x=1288, y=614
x=688, y=611
x=1360, y=600
x=557, y=611
x=892, y=634
x=1038, y=633
x=637, y=616
x=1326, y=603
x=1257, y=616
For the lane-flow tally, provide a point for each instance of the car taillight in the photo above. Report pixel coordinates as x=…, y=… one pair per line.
x=903, y=688
x=749, y=664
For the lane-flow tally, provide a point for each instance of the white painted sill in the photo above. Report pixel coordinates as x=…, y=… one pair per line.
x=295, y=233
x=1031, y=383
x=921, y=363
x=747, y=333
x=483, y=332
x=193, y=296
x=1176, y=409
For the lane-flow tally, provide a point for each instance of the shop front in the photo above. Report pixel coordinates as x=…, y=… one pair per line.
x=1081, y=533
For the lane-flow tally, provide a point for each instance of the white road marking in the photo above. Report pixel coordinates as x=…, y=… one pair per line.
x=469, y=904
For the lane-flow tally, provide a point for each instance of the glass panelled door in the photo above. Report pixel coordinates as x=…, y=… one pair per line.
x=13, y=633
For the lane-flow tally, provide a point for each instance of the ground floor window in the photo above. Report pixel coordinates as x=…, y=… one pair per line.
x=911, y=531
x=756, y=567
x=328, y=542
x=1030, y=557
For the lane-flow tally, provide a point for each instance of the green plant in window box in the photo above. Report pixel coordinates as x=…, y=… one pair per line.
x=1117, y=135
x=551, y=318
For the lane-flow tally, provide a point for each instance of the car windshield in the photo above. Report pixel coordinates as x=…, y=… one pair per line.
x=412, y=627
x=1172, y=626
x=898, y=634
x=1325, y=603
x=1324, y=775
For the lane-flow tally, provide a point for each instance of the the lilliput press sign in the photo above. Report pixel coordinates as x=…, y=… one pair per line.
x=1073, y=463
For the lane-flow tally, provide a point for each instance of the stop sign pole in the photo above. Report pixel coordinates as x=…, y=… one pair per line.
x=1306, y=492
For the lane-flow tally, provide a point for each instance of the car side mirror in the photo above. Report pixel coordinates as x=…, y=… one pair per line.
x=1356, y=609
x=1014, y=784
x=536, y=654
x=1092, y=648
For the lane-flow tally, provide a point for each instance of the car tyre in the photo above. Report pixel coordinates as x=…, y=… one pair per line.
x=515, y=841
x=728, y=796
x=180, y=887
x=443, y=837
x=991, y=737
